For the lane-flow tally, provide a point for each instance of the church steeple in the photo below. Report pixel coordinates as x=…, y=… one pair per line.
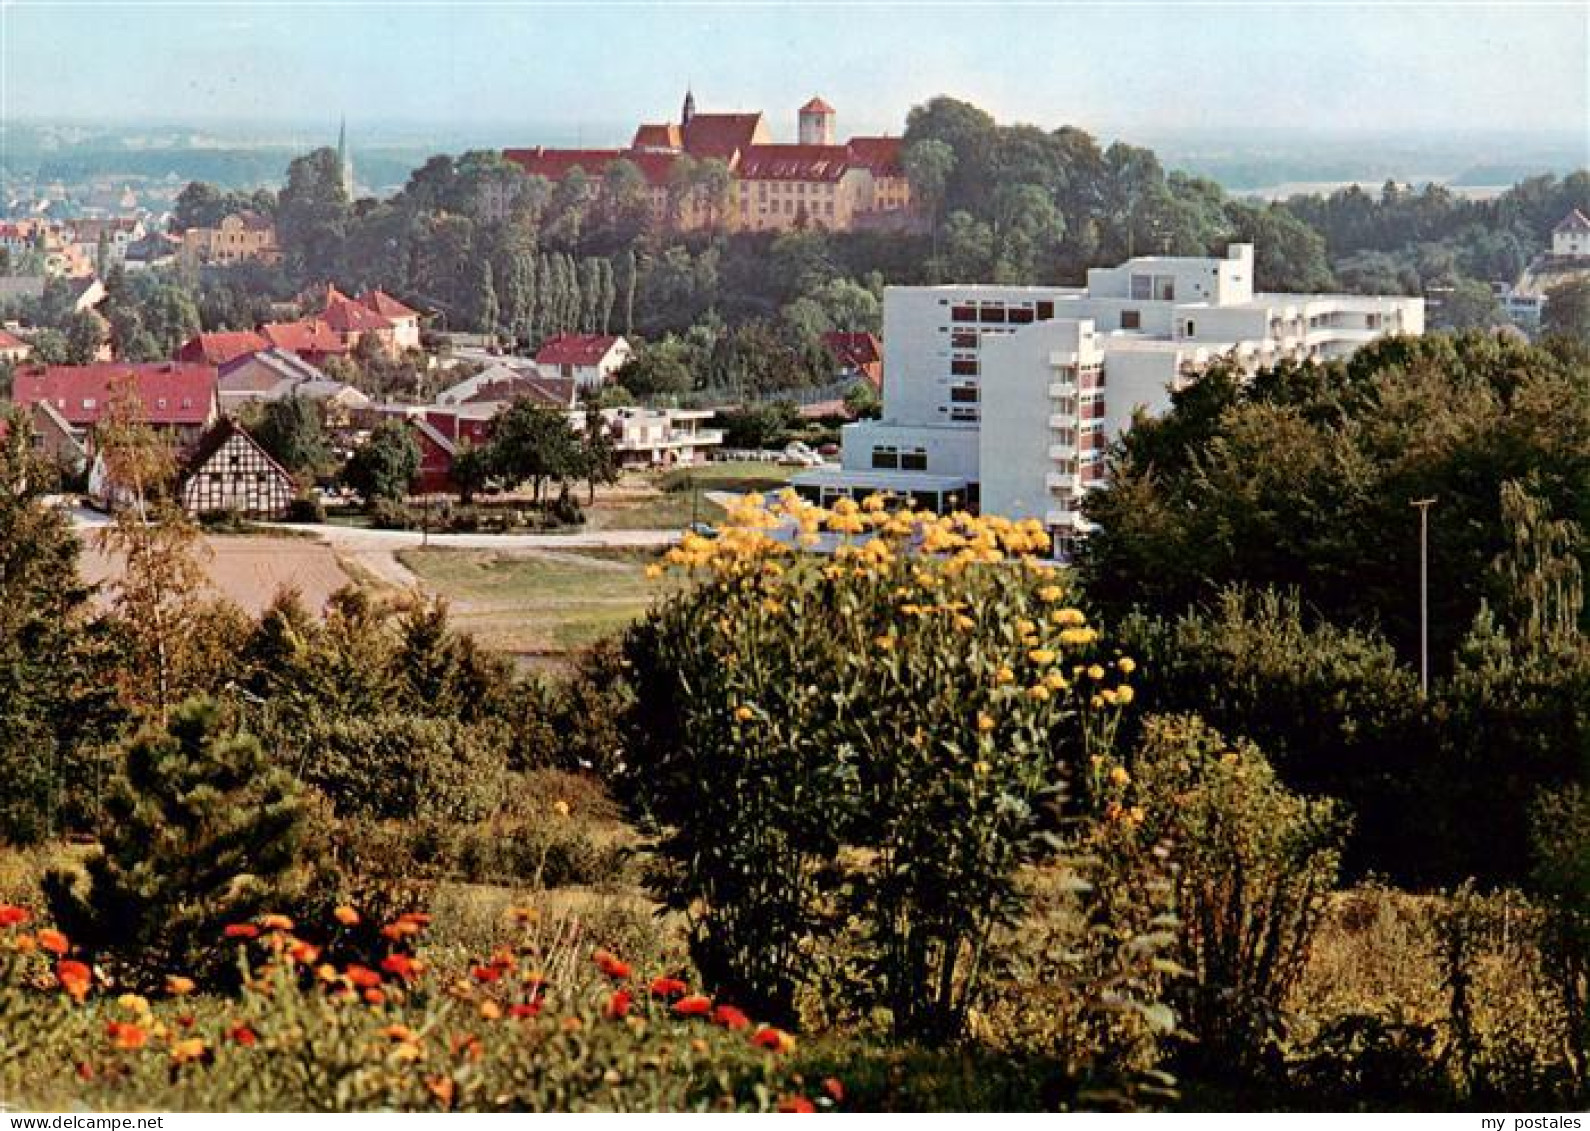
x=689, y=110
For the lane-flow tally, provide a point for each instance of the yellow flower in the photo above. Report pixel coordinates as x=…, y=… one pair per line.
x=1050, y=593
x=1124, y=694
x=1119, y=776
x=1071, y=617
x=1055, y=681
x=1126, y=664
x=964, y=623
x=653, y=572
x=184, y=1051
x=985, y=722
x=561, y=807
x=981, y=768
x=1095, y=672
x=178, y=986
x=1004, y=675
x=743, y=713
x=1038, y=691
x=1042, y=656
x=133, y=1003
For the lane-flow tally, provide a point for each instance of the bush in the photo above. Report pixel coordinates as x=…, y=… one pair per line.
x=386, y=514
x=306, y=509
x=873, y=736
x=201, y=830
x=1255, y=863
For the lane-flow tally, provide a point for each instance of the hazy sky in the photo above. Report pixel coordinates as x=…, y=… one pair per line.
x=1381, y=67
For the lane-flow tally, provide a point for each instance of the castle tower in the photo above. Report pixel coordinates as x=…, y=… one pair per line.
x=816, y=123
x=689, y=110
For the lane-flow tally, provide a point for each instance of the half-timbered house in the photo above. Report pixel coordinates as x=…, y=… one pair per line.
x=230, y=472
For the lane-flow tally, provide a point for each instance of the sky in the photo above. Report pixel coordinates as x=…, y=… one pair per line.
x=595, y=69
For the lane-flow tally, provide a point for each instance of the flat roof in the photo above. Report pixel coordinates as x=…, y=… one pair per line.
x=877, y=480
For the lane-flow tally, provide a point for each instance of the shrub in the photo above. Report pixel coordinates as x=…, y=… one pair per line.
x=1561, y=836
x=200, y=830
x=306, y=509
x=1255, y=863
x=386, y=514
x=872, y=736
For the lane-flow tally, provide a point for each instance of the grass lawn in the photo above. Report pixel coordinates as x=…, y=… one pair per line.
x=539, y=603
x=744, y=475
x=671, y=500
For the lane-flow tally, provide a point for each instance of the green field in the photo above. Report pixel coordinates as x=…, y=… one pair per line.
x=539, y=604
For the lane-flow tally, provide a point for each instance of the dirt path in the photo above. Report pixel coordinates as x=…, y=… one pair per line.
x=248, y=570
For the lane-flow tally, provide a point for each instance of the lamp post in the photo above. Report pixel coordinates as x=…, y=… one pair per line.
x=1424, y=506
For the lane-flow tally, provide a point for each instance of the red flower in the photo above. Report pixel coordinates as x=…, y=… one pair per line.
x=696, y=1005
x=74, y=977
x=731, y=1018
x=618, y=1005
x=609, y=964
x=13, y=916
x=835, y=1090
x=243, y=1035
x=525, y=1009
x=126, y=1035
x=401, y=966
x=668, y=987
x=363, y=977
x=774, y=1040
x=798, y=1105
x=241, y=931
x=53, y=941
x=487, y=973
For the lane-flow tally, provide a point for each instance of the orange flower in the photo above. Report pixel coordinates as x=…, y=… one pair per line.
x=490, y=1010
x=193, y=1048
x=835, y=1090
x=13, y=916
x=274, y=922
x=731, y=1018
x=668, y=987
x=306, y=953
x=53, y=941
x=178, y=986
x=774, y=1040
x=418, y=918
x=400, y=930
x=798, y=1105
x=241, y=931
x=618, y=1005
x=486, y=974
x=609, y=964
x=363, y=977
x=396, y=1032
x=346, y=915
x=241, y=1034
x=525, y=1009
x=74, y=978
x=442, y=1087
x=374, y=997
x=126, y=1035
x=401, y=966
x=696, y=1005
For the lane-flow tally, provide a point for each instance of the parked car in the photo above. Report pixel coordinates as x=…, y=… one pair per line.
x=797, y=454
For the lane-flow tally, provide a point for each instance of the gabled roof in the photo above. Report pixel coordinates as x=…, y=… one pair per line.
x=171, y=392
x=385, y=305
x=264, y=370
x=222, y=347
x=1575, y=221
x=346, y=316
x=880, y=154
x=310, y=335
x=430, y=432
x=794, y=163
x=215, y=439
x=576, y=349
x=722, y=135
x=817, y=106
x=558, y=392
x=555, y=164
x=10, y=341
x=664, y=136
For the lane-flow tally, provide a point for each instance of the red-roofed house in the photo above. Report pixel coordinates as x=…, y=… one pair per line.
x=405, y=320
x=221, y=347
x=177, y=398
x=858, y=355
x=13, y=348
x=589, y=359
x=310, y=338
x=436, y=457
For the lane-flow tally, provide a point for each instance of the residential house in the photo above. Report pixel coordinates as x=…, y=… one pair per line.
x=310, y=338
x=344, y=322
x=175, y=398
x=116, y=235
x=646, y=437
x=56, y=439
x=12, y=348
x=404, y=320
x=270, y=375
x=858, y=355
x=503, y=383
x=1571, y=237
x=221, y=347
x=230, y=473
x=437, y=452
x=589, y=359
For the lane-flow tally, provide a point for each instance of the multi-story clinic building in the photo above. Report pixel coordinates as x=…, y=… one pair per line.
x=1005, y=398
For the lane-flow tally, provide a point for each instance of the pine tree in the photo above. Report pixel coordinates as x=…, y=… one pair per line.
x=203, y=831
x=486, y=300
x=631, y=271
x=607, y=294
x=590, y=286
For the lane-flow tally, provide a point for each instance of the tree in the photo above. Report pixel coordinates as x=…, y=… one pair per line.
x=534, y=442
x=385, y=465
x=862, y=401
x=1470, y=305
x=472, y=470
x=290, y=429
x=85, y=334
x=659, y=370
x=313, y=214
x=489, y=313
x=203, y=831
x=598, y=454
x=928, y=165
x=1567, y=313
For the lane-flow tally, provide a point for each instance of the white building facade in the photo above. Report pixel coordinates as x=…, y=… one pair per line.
x=1005, y=399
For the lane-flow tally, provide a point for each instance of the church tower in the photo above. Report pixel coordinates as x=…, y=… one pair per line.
x=816, y=123
x=689, y=110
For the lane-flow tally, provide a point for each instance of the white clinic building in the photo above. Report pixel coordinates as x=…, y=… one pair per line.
x=1004, y=399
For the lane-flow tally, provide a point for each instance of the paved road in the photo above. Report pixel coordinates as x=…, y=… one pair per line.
x=356, y=539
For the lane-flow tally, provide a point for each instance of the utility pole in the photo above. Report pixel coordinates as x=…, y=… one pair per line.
x=1424, y=506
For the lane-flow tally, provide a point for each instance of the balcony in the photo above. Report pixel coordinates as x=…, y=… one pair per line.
x=1060, y=481
x=1063, y=420
x=1062, y=389
x=1062, y=451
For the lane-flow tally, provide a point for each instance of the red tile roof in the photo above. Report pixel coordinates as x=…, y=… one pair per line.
x=880, y=154
x=170, y=392
x=221, y=347
x=720, y=135
x=558, y=392
x=11, y=342
x=817, y=106
x=555, y=164
x=665, y=136
x=856, y=349
x=794, y=163
x=386, y=306
x=575, y=349
x=308, y=336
